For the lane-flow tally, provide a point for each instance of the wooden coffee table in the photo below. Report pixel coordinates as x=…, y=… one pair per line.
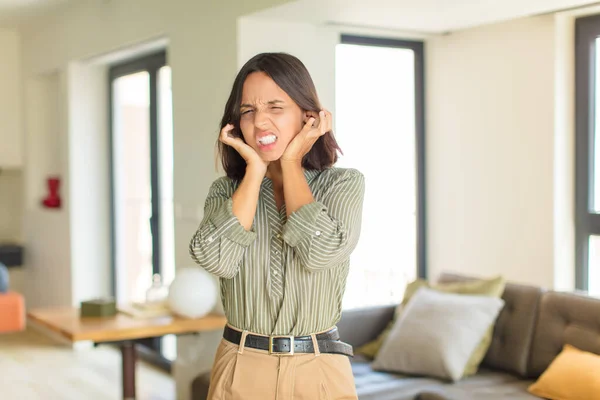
x=122, y=330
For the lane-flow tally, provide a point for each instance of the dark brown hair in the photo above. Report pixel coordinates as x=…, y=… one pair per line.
x=290, y=74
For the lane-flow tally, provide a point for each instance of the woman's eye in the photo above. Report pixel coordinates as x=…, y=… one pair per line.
x=277, y=108
x=246, y=112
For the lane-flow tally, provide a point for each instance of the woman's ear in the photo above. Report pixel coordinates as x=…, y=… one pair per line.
x=311, y=114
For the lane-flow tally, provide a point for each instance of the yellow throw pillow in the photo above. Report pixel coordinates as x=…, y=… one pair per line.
x=573, y=375
x=493, y=287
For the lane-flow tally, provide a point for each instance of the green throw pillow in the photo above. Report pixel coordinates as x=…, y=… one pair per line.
x=493, y=287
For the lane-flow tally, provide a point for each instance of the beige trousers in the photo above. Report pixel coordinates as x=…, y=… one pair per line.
x=243, y=373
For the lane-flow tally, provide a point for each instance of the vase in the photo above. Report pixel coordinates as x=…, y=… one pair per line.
x=53, y=199
x=4, y=278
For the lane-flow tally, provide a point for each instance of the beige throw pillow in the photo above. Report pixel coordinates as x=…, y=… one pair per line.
x=493, y=287
x=437, y=333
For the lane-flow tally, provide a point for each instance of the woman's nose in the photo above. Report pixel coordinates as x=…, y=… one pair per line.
x=261, y=119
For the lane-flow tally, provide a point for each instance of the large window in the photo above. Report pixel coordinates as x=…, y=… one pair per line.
x=587, y=154
x=380, y=128
x=142, y=182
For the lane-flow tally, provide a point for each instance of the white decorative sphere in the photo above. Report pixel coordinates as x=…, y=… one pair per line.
x=193, y=293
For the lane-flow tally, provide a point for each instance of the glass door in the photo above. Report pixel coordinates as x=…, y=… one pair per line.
x=142, y=181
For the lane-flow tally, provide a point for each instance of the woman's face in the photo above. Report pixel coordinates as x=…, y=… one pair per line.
x=269, y=119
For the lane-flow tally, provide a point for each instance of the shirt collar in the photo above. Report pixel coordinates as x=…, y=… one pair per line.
x=309, y=174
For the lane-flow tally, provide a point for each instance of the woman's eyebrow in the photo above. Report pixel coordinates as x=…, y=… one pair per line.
x=272, y=102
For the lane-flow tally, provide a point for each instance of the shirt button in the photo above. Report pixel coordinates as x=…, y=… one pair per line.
x=318, y=233
x=276, y=252
x=210, y=239
x=278, y=236
x=274, y=272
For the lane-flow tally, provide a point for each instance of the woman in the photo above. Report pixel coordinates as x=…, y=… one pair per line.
x=278, y=231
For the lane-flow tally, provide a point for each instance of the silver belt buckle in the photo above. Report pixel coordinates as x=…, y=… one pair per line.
x=283, y=353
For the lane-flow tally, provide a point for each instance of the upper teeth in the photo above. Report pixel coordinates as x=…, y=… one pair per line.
x=267, y=139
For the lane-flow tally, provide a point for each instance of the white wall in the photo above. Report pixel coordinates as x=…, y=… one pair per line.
x=11, y=205
x=89, y=183
x=490, y=151
x=46, y=237
x=11, y=117
x=564, y=152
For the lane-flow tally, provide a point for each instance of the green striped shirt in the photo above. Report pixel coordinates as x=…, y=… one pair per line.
x=285, y=276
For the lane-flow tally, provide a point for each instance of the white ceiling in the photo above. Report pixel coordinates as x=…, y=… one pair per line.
x=13, y=10
x=423, y=16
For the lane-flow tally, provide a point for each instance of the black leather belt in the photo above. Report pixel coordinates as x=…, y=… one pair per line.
x=328, y=342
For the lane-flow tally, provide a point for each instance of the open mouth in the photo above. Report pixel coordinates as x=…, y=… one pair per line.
x=267, y=140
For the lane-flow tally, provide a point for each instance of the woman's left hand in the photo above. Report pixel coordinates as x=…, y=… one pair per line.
x=303, y=142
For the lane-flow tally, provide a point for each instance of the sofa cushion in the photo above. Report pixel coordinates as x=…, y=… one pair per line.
x=437, y=333
x=375, y=385
x=573, y=375
x=564, y=318
x=513, y=331
x=487, y=384
x=359, y=326
x=485, y=287
x=493, y=287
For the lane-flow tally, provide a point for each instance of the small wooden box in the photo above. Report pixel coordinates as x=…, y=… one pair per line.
x=98, y=308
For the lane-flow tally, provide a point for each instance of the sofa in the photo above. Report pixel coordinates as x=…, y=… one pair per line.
x=530, y=331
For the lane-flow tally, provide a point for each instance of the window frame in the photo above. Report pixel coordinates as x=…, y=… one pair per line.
x=152, y=64
x=418, y=48
x=148, y=349
x=587, y=222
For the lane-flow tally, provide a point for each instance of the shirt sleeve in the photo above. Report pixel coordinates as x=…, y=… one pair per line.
x=220, y=241
x=324, y=233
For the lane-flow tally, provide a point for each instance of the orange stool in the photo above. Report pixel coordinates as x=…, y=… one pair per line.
x=12, y=312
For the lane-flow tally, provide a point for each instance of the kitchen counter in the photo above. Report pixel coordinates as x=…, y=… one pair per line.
x=11, y=255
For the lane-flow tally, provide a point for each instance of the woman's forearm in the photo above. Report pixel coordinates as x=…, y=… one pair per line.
x=295, y=187
x=245, y=198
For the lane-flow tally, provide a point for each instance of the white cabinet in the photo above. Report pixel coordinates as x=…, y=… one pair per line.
x=11, y=107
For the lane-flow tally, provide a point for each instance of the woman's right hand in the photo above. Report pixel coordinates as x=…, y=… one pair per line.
x=249, y=155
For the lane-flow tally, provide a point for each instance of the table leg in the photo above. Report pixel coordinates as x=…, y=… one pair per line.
x=128, y=369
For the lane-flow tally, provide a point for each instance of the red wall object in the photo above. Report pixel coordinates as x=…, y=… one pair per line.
x=53, y=198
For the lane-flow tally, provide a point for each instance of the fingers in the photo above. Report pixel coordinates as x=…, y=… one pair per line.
x=226, y=133
x=229, y=139
x=323, y=124
x=325, y=121
x=329, y=119
x=227, y=136
x=308, y=126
